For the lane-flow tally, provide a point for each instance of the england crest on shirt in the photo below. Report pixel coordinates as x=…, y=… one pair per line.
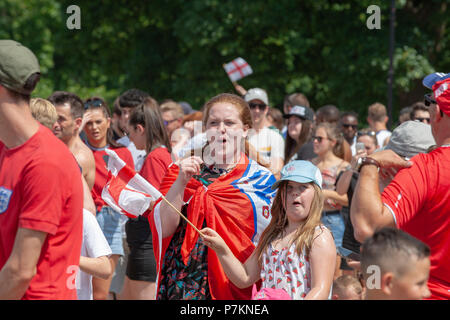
x=5, y=196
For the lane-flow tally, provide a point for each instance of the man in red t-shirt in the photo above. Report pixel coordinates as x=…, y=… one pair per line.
x=418, y=199
x=41, y=195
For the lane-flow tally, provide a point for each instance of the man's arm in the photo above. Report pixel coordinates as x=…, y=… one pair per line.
x=367, y=212
x=20, y=268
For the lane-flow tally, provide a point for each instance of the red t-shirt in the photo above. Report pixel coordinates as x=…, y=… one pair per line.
x=155, y=166
x=101, y=171
x=419, y=198
x=41, y=189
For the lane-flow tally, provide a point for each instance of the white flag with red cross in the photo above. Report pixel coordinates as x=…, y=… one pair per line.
x=126, y=191
x=237, y=69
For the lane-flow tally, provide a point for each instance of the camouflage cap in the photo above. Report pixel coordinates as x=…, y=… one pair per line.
x=17, y=64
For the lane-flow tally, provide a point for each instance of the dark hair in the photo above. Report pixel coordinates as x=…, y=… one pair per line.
x=417, y=106
x=148, y=115
x=116, y=107
x=103, y=106
x=392, y=249
x=132, y=98
x=75, y=103
x=328, y=113
x=291, y=145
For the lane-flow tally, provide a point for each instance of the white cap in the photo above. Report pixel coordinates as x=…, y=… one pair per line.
x=256, y=93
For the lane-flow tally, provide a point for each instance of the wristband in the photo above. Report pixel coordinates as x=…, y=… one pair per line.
x=366, y=160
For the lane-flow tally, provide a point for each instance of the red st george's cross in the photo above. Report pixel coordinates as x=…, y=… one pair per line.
x=237, y=69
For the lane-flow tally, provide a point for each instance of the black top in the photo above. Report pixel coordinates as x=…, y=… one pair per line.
x=348, y=241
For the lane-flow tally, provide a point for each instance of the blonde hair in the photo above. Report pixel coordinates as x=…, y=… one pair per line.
x=43, y=111
x=377, y=112
x=304, y=236
x=175, y=109
x=347, y=281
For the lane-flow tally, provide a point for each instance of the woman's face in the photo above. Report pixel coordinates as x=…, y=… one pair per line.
x=368, y=144
x=298, y=200
x=137, y=136
x=322, y=144
x=96, y=127
x=294, y=127
x=225, y=131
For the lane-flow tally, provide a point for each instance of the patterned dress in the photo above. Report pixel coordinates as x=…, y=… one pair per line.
x=285, y=269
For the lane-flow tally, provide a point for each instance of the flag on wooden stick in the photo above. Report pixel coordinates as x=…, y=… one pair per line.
x=237, y=69
x=129, y=193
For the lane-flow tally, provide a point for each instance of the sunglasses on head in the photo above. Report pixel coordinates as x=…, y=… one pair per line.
x=367, y=133
x=429, y=100
x=260, y=106
x=353, y=126
x=93, y=103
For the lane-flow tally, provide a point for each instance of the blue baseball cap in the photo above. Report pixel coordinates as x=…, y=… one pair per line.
x=300, y=171
x=431, y=79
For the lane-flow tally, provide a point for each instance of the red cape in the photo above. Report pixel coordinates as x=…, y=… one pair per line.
x=230, y=208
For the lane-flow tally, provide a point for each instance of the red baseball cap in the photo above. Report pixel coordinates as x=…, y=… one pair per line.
x=441, y=90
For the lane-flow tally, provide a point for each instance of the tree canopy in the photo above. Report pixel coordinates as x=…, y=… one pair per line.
x=175, y=49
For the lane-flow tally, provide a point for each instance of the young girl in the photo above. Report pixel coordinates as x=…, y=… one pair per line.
x=295, y=253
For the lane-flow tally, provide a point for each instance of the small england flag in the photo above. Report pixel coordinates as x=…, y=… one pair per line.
x=237, y=69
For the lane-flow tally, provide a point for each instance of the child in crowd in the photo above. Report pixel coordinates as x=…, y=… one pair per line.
x=347, y=287
x=395, y=266
x=295, y=253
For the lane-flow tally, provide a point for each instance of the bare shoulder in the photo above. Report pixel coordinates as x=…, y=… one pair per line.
x=323, y=237
x=84, y=155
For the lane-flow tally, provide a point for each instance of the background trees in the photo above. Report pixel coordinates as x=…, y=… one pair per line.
x=175, y=49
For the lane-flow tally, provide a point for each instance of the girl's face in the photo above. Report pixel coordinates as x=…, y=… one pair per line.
x=298, y=200
x=322, y=144
x=294, y=127
x=137, y=136
x=96, y=127
x=225, y=131
x=368, y=144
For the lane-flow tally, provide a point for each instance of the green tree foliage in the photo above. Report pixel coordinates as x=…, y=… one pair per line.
x=175, y=49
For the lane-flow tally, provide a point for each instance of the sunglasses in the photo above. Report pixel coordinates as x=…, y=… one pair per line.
x=93, y=103
x=367, y=133
x=260, y=106
x=429, y=100
x=166, y=122
x=426, y=120
x=319, y=139
x=353, y=126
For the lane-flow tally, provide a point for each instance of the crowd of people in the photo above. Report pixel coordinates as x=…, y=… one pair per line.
x=304, y=203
